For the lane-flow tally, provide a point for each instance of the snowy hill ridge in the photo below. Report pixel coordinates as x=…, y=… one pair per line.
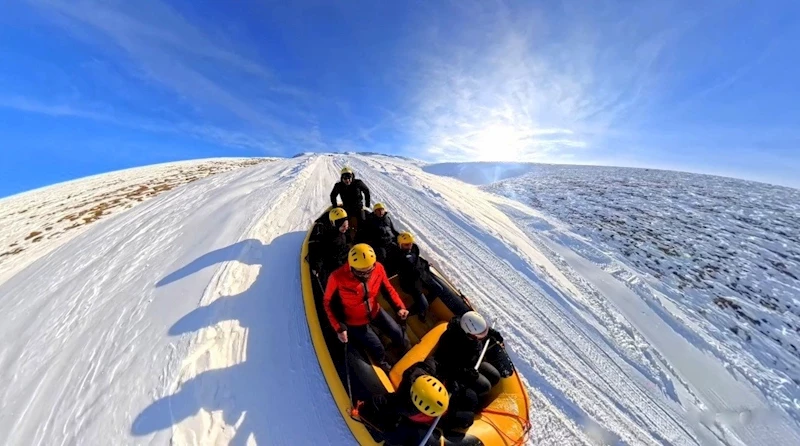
x=180, y=320
x=62, y=211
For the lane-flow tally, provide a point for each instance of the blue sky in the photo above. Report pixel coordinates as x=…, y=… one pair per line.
x=91, y=86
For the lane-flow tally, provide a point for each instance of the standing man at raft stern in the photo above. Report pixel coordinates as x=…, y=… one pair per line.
x=351, y=190
x=358, y=283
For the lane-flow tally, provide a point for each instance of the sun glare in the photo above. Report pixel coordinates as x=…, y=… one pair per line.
x=498, y=142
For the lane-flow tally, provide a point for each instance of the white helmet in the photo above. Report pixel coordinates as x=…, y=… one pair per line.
x=474, y=324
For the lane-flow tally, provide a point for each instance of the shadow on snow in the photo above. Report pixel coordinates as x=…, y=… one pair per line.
x=278, y=386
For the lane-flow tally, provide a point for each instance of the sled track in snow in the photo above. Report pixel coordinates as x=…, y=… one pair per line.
x=559, y=361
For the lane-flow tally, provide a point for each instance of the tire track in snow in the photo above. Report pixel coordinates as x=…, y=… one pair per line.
x=581, y=379
x=725, y=403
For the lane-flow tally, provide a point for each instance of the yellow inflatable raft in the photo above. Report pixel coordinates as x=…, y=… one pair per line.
x=504, y=422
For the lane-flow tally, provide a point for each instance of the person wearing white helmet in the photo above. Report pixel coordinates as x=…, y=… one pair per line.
x=459, y=348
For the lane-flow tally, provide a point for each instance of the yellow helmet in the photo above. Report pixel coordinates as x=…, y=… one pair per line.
x=405, y=237
x=336, y=214
x=345, y=170
x=429, y=396
x=378, y=206
x=361, y=256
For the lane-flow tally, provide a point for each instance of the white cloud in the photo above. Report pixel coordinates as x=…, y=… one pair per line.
x=203, y=70
x=203, y=132
x=494, y=80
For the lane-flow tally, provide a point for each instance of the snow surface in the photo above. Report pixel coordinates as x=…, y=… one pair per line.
x=181, y=320
x=38, y=221
x=718, y=257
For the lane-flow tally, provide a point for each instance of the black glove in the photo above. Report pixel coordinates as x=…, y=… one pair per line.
x=425, y=265
x=454, y=387
x=496, y=336
x=470, y=375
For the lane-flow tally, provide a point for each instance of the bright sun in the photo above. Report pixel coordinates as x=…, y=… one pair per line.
x=498, y=142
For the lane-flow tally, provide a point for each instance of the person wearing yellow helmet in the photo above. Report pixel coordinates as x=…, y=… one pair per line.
x=357, y=285
x=417, y=280
x=354, y=194
x=405, y=414
x=414, y=273
x=329, y=244
x=380, y=233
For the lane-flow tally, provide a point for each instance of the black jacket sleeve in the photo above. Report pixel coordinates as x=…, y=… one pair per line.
x=391, y=225
x=427, y=366
x=334, y=193
x=316, y=247
x=496, y=336
x=382, y=411
x=363, y=187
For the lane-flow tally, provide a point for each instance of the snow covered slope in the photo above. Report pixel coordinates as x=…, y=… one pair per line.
x=181, y=320
x=480, y=172
x=719, y=257
x=38, y=221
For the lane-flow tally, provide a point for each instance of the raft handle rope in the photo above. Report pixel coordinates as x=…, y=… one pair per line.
x=526, y=424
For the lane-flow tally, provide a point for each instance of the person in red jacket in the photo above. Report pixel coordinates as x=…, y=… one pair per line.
x=358, y=283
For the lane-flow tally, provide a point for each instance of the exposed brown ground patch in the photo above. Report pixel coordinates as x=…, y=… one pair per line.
x=99, y=202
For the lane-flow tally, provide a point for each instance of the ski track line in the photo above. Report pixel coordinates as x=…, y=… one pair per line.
x=558, y=348
x=647, y=359
x=696, y=330
x=296, y=204
x=74, y=293
x=721, y=394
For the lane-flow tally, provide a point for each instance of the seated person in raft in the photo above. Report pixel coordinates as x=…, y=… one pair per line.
x=405, y=415
x=458, y=351
x=380, y=233
x=414, y=273
x=329, y=244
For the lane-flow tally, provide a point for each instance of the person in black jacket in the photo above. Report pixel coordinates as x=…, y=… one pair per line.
x=380, y=233
x=405, y=415
x=329, y=244
x=458, y=351
x=414, y=272
x=350, y=190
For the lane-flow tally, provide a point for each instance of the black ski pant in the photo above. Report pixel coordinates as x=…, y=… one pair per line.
x=413, y=286
x=356, y=216
x=409, y=433
x=365, y=335
x=461, y=413
x=488, y=376
x=381, y=252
